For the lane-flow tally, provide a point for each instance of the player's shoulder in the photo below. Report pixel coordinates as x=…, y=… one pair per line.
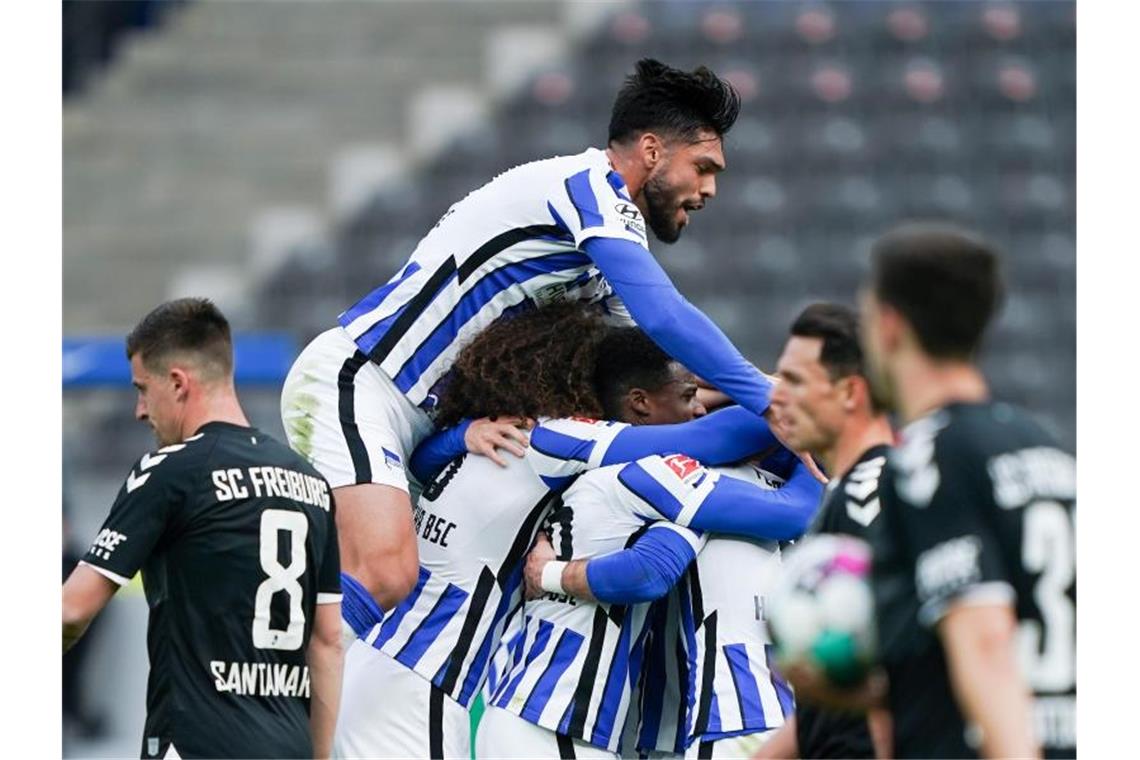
x=168, y=464
x=851, y=502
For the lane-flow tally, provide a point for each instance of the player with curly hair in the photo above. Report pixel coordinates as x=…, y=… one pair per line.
x=410, y=676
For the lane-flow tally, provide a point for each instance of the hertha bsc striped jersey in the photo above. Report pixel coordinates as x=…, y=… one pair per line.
x=720, y=650
x=474, y=524
x=513, y=243
x=573, y=668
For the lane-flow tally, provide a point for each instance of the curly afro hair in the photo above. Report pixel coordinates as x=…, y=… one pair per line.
x=536, y=364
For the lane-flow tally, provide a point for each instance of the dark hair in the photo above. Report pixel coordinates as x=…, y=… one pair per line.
x=944, y=280
x=184, y=326
x=628, y=358
x=838, y=327
x=538, y=363
x=657, y=97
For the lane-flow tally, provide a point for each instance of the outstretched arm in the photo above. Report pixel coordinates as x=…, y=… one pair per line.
x=725, y=436
x=482, y=436
x=703, y=500
x=681, y=329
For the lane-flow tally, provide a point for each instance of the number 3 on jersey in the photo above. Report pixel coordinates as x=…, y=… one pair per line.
x=281, y=578
x=1048, y=549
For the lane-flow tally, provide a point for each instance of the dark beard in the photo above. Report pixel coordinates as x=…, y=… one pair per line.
x=660, y=210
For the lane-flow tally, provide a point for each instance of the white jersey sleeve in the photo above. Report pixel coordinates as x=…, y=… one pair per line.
x=671, y=487
x=568, y=446
x=593, y=202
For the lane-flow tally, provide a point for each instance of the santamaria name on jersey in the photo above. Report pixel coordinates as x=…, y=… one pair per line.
x=261, y=679
x=270, y=481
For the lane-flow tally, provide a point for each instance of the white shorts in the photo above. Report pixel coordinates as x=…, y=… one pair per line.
x=743, y=746
x=343, y=414
x=502, y=734
x=389, y=711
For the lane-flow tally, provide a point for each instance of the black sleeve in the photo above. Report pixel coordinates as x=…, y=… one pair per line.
x=328, y=579
x=138, y=519
x=943, y=492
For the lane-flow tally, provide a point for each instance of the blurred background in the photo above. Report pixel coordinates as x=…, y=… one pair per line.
x=283, y=158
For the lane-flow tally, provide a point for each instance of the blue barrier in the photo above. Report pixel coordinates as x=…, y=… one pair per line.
x=259, y=359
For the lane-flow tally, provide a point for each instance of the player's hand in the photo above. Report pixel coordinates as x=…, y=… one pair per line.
x=813, y=686
x=541, y=553
x=486, y=435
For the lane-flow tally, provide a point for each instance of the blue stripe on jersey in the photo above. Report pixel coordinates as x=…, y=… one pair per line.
x=615, y=685
x=689, y=629
x=426, y=632
x=489, y=286
x=747, y=692
x=554, y=483
x=557, y=217
x=582, y=196
x=646, y=487
x=540, y=640
x=714, y=715
x=783, y=692
x=560, y=445
x=376, y=297
x=389, y=626
x=372, y=337
x=653, y=687
x=490, y=639
x=564, y=652
x=618, y=184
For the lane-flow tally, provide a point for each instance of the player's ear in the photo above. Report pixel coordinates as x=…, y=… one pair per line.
x=180, y=382
x=638, y=401
x=652, y=149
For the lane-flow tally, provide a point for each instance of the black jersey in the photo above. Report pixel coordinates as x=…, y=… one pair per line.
x=850, y=506
x=978, y=505
x=235, y=538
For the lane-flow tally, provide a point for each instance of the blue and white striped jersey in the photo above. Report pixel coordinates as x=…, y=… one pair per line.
x=575, y=666
x=474, y=524
x=729, y=685
x=514, y=243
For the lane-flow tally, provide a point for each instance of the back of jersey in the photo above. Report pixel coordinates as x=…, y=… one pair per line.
x=235, y=537
x=979, y=505
x=474, y=524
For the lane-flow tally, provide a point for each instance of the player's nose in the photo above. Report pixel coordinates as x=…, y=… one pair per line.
x=708, y=187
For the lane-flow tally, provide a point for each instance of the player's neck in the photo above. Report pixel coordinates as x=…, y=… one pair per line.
x=925, y=385
x=631, y=171
x=856, y=440
x=221, y=405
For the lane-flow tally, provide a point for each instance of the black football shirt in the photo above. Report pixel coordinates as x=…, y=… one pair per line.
x=850, y=506
x=978, y=505
x=235, y=538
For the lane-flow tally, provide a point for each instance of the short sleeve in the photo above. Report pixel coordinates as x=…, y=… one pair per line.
x=328, y=581
x=694, y=538
x=941, y=495
x=138, y=518
x=566, y=447
x=593, y=203
x=671, y=487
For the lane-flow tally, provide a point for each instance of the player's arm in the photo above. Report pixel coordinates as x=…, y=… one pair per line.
x=484, y=436
x=643, y=572
x=137, y=520
x=325, y=658
x=725, y=436
x=681, y=329
x=85, y=594
x=782, y=744
x=705, y=501
x=980, y=644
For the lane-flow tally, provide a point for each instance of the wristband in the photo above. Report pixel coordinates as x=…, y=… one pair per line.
x=552, y=577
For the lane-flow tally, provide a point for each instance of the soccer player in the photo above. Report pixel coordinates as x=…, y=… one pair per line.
x=974, y=573
x=567, y=687
x=236, y=541
x=573, y=228
x=411, y=676
x=824, y=405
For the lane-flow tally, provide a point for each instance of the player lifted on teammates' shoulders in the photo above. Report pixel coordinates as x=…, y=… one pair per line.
x=235, y=537
x=974, y=570
x=359, y=398
x=824, y=405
